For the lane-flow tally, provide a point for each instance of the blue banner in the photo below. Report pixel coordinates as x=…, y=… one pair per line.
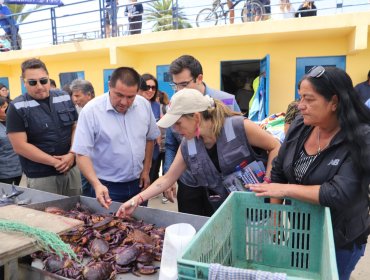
x=36, y=2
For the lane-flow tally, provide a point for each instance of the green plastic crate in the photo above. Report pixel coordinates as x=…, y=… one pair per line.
x=243, y=233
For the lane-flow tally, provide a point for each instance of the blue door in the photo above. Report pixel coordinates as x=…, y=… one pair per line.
x=304, y=64
x=265, y=71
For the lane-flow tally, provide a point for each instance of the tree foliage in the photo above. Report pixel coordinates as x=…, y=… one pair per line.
x=27, y=9
x=160, y=13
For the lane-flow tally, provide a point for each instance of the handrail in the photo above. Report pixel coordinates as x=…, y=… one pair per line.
x=65, y=21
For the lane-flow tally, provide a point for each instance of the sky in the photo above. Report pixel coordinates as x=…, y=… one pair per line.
x=39, y=33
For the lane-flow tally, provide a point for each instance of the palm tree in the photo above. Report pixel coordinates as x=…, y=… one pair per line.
x=160, y=12
x=15, y=8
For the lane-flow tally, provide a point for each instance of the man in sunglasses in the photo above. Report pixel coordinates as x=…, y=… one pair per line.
x=40, y=126
x=187, y=72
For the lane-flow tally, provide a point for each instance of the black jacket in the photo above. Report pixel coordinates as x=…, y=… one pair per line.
x=342, y=189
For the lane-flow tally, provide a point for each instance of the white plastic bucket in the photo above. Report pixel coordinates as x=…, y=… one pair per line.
x=176, y=238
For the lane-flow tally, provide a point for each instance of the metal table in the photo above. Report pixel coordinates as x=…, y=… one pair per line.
x=149, y=215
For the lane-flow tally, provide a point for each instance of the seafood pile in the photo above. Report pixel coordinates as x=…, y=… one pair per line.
x=111, y=245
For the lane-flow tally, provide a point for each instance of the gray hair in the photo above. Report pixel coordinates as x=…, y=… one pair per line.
x=82, y=85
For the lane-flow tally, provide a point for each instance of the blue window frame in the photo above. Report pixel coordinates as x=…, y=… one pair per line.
x=304, y=64
x=164, y=79
x=67, y=77
x=107, y=73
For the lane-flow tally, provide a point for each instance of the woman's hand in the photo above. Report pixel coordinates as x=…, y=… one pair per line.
x=272, y=190
x=171, y=193
x=127, y=208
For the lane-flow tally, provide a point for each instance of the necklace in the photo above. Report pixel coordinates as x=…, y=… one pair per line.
x=319, y=150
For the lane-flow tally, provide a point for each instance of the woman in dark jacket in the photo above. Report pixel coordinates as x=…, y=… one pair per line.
x=325, y=159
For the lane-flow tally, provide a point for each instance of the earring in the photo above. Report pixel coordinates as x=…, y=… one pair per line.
x=197, y=131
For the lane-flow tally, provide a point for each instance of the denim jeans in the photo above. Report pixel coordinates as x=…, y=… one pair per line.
x=122, y=191
x=347, y=260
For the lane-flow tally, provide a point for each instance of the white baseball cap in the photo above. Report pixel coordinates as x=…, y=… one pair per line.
x=185, y=101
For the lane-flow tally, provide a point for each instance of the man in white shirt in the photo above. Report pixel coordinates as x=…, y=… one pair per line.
x=114, y=139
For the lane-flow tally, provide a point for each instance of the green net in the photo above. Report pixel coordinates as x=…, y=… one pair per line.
x=47, y=240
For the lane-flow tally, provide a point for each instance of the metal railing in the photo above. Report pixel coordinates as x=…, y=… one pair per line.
x=87, y=19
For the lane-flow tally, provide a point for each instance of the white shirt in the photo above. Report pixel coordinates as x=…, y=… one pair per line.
x=115, y=142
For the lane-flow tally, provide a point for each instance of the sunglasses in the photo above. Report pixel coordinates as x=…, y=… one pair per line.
x=153, y=88
x=42, y=81
x=316, y=72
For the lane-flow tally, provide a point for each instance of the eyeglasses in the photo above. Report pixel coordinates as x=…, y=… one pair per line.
x=153, y=88
x=42, y=81
x=316, y=72
x=177, y=86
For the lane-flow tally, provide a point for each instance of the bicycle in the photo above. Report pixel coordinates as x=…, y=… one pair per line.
x=252, y=11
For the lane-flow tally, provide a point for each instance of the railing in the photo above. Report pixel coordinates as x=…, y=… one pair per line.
x=86, y=20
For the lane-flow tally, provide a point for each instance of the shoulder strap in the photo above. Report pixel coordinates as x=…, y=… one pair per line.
x=192, y=148
x=229, y=130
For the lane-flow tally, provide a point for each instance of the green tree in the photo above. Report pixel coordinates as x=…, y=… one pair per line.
x=160, y=13
x=15, y=8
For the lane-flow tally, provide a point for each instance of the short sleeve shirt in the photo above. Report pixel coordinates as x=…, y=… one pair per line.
x=115, y=142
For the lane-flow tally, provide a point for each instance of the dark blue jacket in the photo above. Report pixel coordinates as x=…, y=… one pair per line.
x=50, y=131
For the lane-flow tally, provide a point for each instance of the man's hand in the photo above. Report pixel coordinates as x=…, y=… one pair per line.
x=102, y=196
x=65, y=162
x=144, y=180
x=171, y=193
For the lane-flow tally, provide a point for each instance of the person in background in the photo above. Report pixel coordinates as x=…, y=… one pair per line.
x=243, y=96
x=40, y=125
x=82, y=92
x=4, y=91
x=363, y=89
x=10, y=166
x=150, y=94
x=216, y=140
x=187, y=72
x=66, y=88
x=306, y=9
x=134, y=12
x=291, y=113
x=53, y=85
x=5, y=45
x=108, y=16
x=9, y=26
x=163, y=101
x=114, y=139
x=286, y=10
x=230, y=4
x=325, y=160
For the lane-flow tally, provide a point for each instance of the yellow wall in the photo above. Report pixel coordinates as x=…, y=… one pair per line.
x=284, y=41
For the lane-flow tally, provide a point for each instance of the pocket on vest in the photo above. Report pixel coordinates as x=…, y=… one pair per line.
x=67, y=116
x=234, y=154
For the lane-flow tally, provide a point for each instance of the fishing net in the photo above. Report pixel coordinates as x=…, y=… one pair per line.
x=47, y=240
